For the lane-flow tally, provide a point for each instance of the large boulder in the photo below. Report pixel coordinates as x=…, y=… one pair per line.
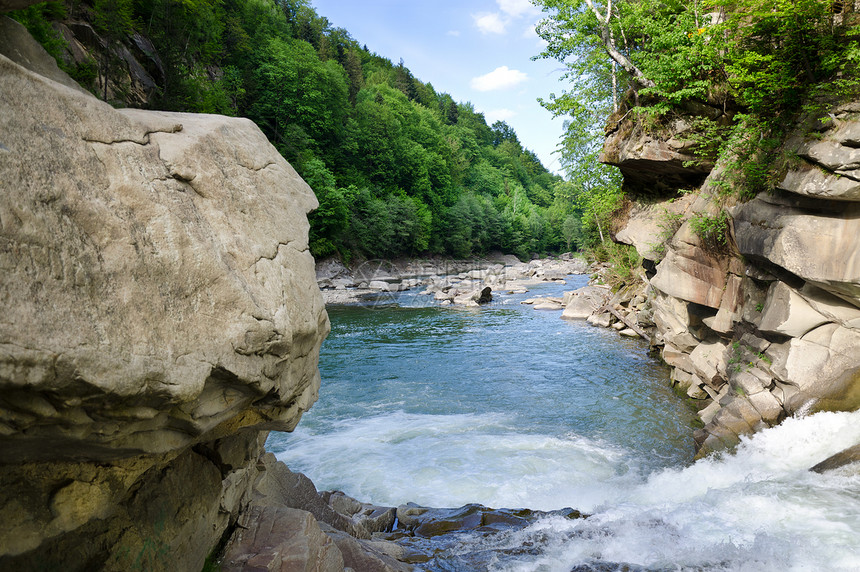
x=580, y=304
x=157, y=287
x=159, y=309
x=281, y=540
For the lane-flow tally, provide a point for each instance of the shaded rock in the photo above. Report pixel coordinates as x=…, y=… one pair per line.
x=9, y=5
x=654, y=162
x=281, y=540
x=846, y=457
x=365, y=556
x=816, y=243
x=278, y=486
x=486, y=296
x=135, y=512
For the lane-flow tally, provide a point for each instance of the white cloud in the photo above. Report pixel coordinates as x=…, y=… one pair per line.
x=499, y=78
x=490, y=22
x=499, y=115
x=517, y=8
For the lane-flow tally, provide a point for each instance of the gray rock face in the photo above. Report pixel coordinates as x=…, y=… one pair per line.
x=281, y=540
x=814, y=240
x=159, y=309
x=157, y=285
x=650, y=225
x=828, y=166
x=654, y=160
x=776, y=330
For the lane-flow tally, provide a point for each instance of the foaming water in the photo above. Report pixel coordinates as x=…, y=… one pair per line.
x=757, y=509
x=511, y=407
x=452, y=460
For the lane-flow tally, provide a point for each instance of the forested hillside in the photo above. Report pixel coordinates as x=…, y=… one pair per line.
x=399, y=168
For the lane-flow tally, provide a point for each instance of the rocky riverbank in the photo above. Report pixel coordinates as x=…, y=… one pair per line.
x=290, y=521
x=763, y=323
x=458, y=282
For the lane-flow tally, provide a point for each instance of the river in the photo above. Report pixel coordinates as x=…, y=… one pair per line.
x=508, y=406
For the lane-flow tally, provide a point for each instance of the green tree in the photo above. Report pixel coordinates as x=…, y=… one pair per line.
x=296, y=89
x=113, y=20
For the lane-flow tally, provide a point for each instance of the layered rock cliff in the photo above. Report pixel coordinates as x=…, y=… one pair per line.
x=159, y=313
x=768, y=324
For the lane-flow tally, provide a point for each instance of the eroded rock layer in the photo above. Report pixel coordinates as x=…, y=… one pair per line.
x=768, y=324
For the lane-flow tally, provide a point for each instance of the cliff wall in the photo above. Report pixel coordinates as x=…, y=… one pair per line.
x=159, y=313
x=766, y=325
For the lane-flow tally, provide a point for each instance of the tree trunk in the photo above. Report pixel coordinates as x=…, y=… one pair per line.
x=609, y=46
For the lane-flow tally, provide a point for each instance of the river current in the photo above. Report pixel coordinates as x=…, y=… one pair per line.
x=512, y=407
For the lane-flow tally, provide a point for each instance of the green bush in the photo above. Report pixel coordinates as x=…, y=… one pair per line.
x=713, y=230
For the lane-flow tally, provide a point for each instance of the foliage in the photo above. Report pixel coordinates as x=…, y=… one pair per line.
x=37, y=19
x=713, y=230
x=623, y=260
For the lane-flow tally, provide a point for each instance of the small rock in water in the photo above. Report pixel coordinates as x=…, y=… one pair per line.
x=846, y=457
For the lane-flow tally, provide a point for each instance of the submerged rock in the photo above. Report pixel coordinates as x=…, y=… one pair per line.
x=841, y=459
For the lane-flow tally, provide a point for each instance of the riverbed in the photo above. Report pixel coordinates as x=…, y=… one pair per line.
x=512, y=407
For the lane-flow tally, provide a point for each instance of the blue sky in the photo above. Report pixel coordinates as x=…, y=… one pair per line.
x=476, y=50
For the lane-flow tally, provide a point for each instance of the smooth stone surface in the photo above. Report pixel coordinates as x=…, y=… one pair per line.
x=281, y=539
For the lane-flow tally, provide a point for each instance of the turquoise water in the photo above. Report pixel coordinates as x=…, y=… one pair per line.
x=497, y=405
x=512, y=407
